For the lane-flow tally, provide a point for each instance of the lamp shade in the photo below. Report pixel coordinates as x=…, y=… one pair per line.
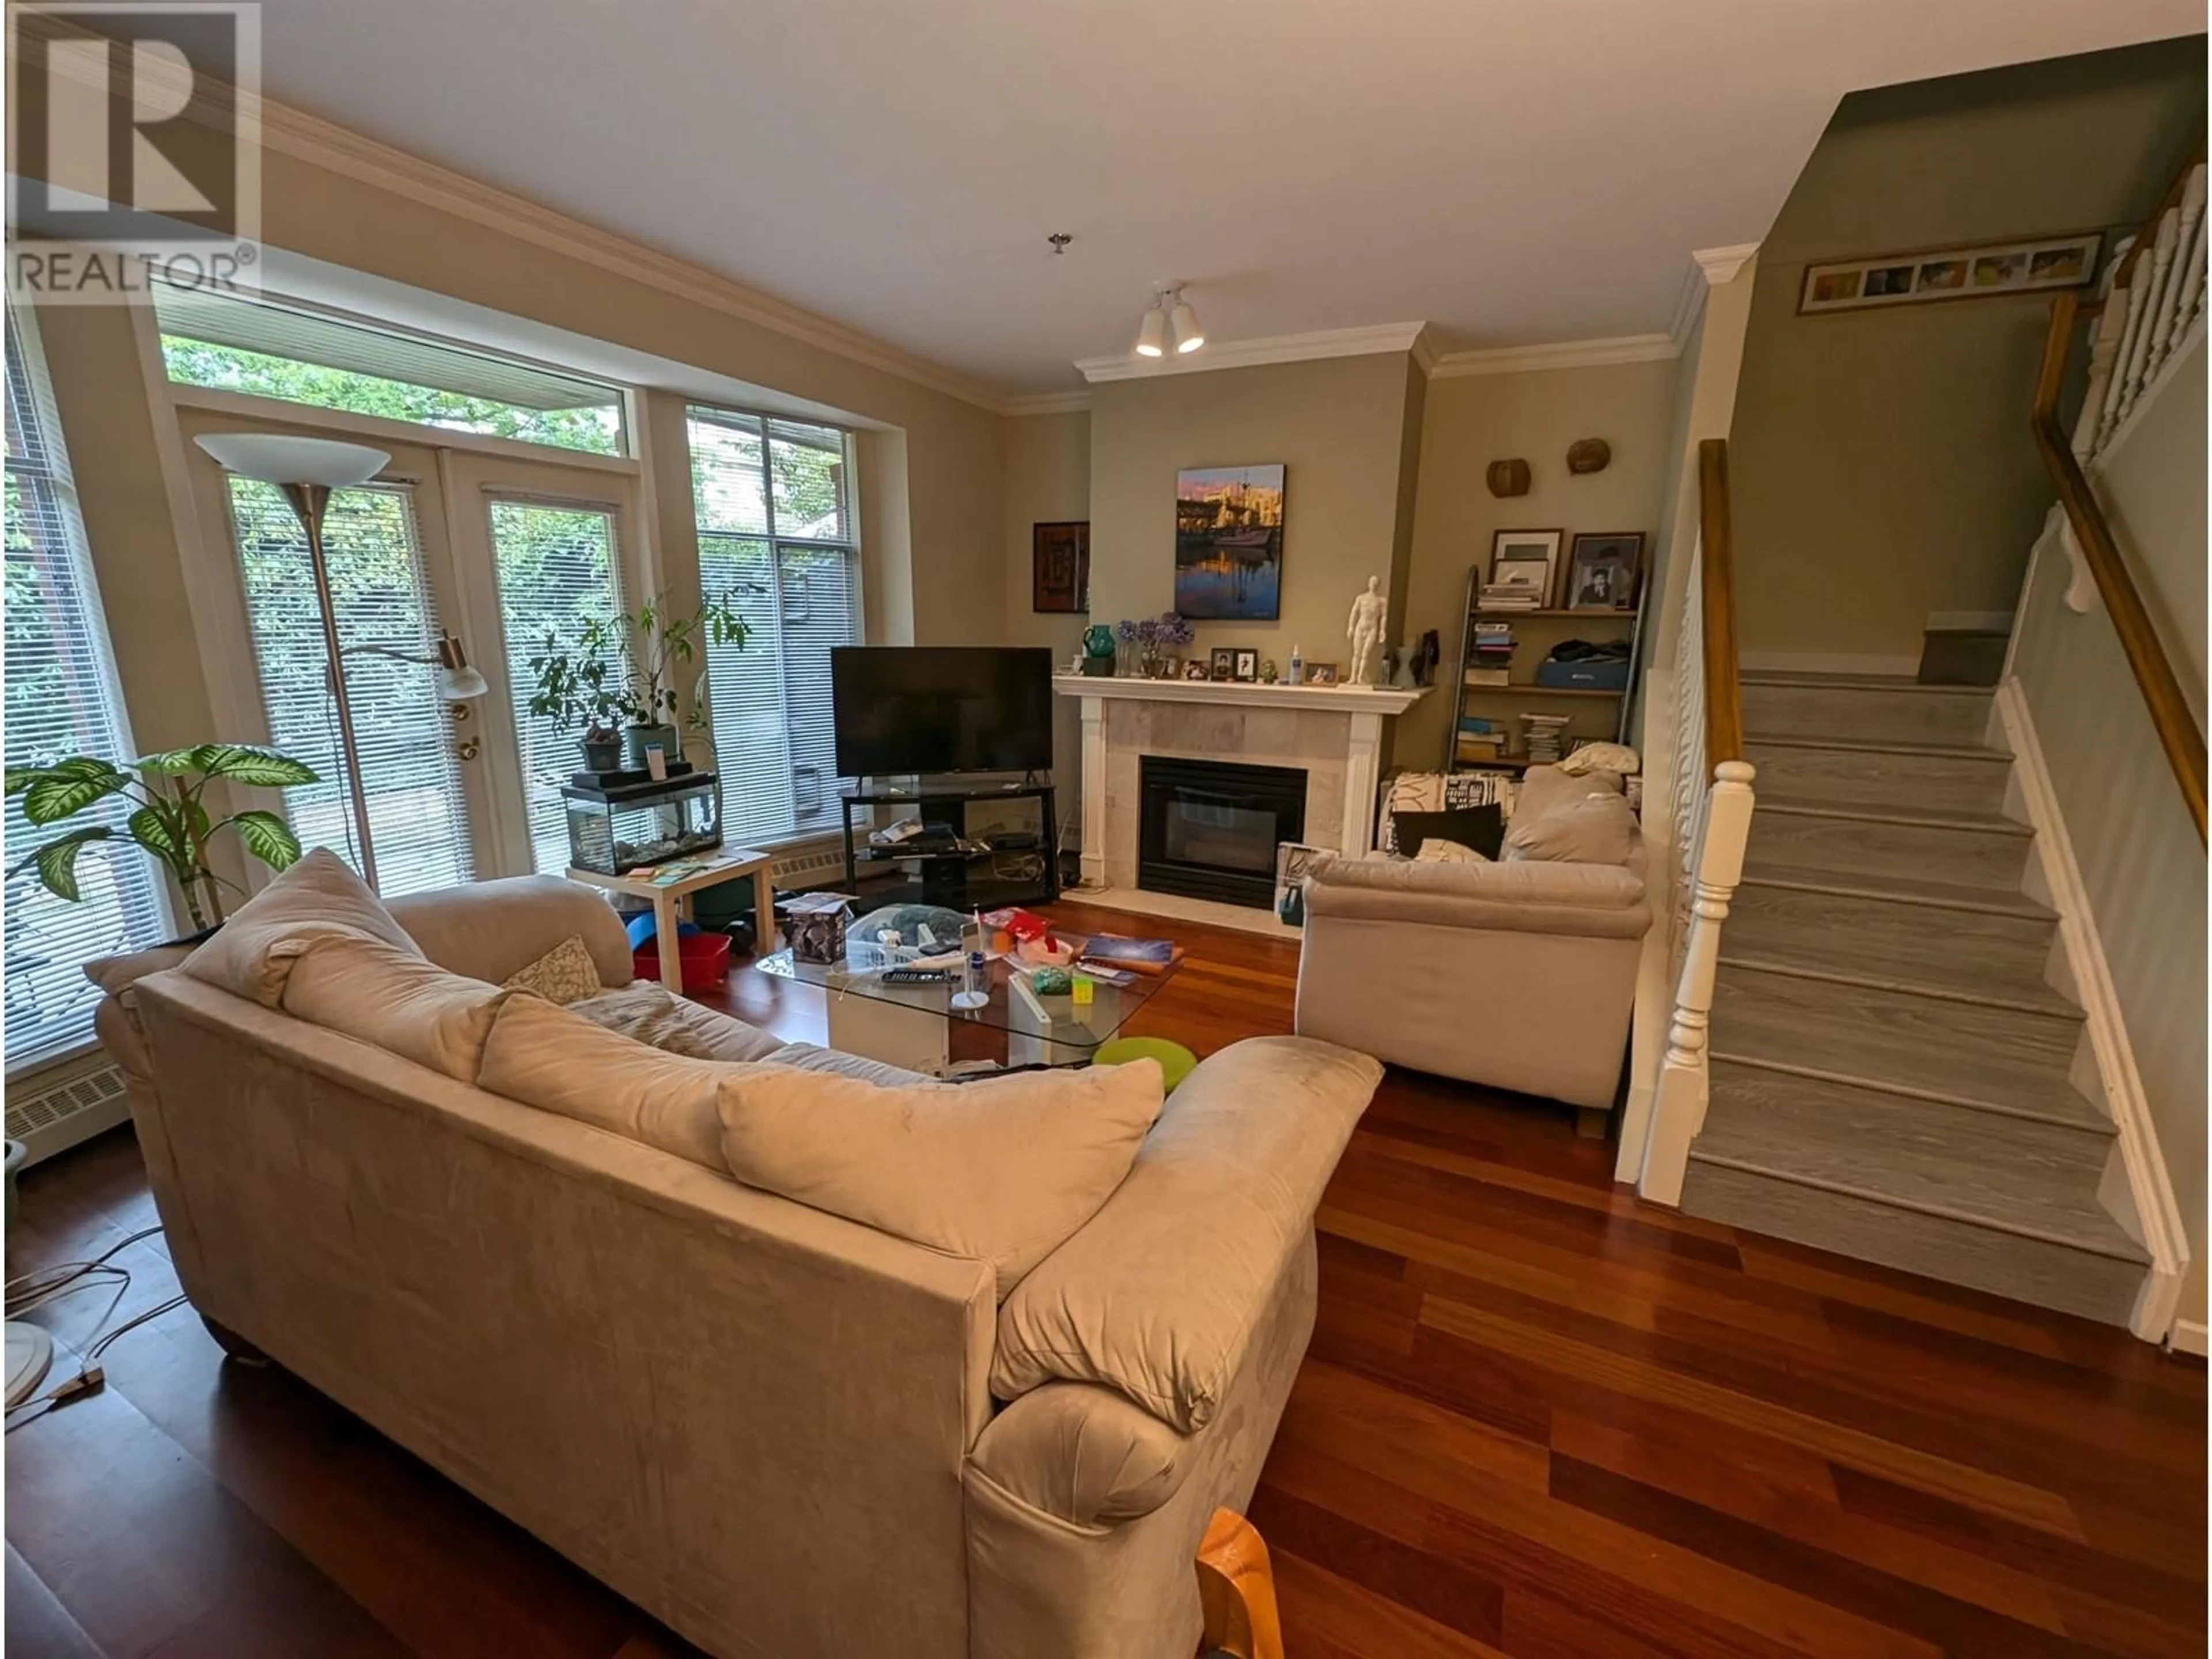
x=1152, y=334
x=462, y=685
x=274, y=458
x=1188, y=336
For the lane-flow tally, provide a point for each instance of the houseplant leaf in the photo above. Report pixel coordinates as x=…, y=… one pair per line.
x=152, y=829
x=56, y=859
x=70, y=786
x=169, y=762
x=263, y=767
x=267, y=836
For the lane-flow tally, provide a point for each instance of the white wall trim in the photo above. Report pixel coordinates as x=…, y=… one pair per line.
x=1565, y=354
x=1720, y=264
x=2164, y=1233
x=1708, y=268
x=1049, y=402
x=2188, y=1336
x=1828, y=662
x=1369, y=341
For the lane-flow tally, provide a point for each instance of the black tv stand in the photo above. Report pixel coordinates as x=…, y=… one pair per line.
x=958, y=877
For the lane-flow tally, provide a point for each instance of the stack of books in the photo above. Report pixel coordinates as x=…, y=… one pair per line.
x=1497, y=596
x=1481, y=740
x=1544, y=736
x=1491, y=654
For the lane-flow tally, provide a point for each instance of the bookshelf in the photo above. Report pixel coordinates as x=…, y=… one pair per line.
x=1589, y=713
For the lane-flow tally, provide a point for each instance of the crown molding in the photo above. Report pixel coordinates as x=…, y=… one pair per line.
x=1273, y=349
x=1565, y=354
x=1048, y=403
x=1710, y=268
x=1720, y=265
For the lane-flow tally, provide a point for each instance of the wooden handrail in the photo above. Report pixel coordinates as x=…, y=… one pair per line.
x=1717, y=560
x=2146, y=660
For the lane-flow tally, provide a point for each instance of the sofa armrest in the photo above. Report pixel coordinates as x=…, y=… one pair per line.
x=1083, y=1454
x=1595, y=900
x=489, y=929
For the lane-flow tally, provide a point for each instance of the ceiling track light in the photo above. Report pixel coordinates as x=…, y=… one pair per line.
x=1170, y=316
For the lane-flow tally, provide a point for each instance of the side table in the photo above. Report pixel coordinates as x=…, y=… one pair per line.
x=671, y=901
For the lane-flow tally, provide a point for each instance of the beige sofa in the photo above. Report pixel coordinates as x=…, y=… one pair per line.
x=1519, y=974
x=782, y=1433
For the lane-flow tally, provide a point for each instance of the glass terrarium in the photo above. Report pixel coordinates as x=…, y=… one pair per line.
x=617, y=829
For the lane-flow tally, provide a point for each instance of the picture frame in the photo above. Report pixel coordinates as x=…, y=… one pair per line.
x=1229, y=543
x=1060, y=567
x=1247, y=665
x=1320, y=673
x=1524, y=567
x=1224, y=663
x=2033, y=264
x=1605, y=571
x=1195, y=669
x=1294, y=859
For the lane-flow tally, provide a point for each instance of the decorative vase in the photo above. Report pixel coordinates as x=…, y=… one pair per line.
x=1098, y=651
x=602, y=754
x=637, y=739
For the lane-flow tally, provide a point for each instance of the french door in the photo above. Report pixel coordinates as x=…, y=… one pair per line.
x=496, y=551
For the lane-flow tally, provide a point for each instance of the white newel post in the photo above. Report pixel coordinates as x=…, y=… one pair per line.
x=1094, y=791
x=1360, y=792
x=1678, y=1110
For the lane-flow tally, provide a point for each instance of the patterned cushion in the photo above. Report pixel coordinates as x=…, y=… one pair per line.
x=564, y=975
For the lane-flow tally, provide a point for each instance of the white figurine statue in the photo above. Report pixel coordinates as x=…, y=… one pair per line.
x=1370, y=614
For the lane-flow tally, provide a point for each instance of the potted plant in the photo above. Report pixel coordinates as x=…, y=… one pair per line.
x=578, y=688
x=663, y=641
x=172, y=822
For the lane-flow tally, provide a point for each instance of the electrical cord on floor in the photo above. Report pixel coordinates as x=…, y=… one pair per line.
x=35, y=1289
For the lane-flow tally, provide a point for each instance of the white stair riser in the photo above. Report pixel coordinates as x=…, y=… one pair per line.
x=1847, y=777
x=1866, y=714
x=1980, y=858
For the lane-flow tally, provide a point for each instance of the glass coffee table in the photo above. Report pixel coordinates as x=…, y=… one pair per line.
x=916, y=1026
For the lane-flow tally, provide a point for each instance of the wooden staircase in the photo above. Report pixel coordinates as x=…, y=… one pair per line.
x=1890, y=1066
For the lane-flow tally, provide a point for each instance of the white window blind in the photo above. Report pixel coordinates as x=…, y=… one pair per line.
x=775, y=516
x=61, y=699
x=417, y=815
x=557, y=572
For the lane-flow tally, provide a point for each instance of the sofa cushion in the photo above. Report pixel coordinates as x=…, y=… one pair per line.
x=648, y=1012
x=563, y=975
x=396, y=999
x=1479, y=829
x=559, y=1060
x=1002, y=1170
x=1596, y=828
x=1162, y=1294
x=253, y=953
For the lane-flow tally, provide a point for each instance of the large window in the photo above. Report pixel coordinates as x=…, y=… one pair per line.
x=61, y=699
x=304, y=356
x=775, y=512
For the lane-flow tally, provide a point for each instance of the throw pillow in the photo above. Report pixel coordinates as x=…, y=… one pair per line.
x=1616, y=757
x=251, y=954
x=1434, y=851
x=563, y=975
x=1594, y=828
x=648, y=1012
x=1002, y=1169
x=1482, y=828
x=398, y=1000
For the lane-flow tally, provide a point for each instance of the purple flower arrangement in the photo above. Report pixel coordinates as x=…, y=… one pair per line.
x=1150, y=635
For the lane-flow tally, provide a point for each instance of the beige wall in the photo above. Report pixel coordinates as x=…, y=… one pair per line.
x=1338, y=427
x=1475, y=420
x=1881, y=464
x=1048, y=471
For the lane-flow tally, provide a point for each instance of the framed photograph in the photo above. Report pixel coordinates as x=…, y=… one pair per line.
x=1522, y=565
x=1320, y=673
x=1229, y=543
x=1060, y=566
x=1293, y=860
x=1195, y=669
x=1247, y=666
x=1225, y=663
x=2029, y=266
x=1603, y=572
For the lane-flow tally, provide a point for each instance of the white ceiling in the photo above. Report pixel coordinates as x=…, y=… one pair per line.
x=1509, y=171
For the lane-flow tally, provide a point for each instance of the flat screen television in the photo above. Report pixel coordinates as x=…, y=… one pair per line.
x=908, y=708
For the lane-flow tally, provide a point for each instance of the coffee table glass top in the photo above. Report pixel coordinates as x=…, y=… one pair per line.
x=1058, y=1022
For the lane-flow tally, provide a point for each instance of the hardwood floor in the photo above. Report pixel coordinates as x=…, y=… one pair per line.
x=1538, y=1418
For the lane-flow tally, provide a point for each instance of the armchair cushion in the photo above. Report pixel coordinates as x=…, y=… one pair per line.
x=1478, y=828
x=1520, y=895
x=1597, y=827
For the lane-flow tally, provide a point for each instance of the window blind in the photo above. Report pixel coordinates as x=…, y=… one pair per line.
x=557, y=572
x=417, y=818
x=775, y=517
x=61, y=699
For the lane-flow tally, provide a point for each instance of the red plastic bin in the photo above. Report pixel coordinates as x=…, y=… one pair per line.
x=705, y=958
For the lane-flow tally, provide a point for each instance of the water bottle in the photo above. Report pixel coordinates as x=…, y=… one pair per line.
x=1298, y=675
x=976, y=984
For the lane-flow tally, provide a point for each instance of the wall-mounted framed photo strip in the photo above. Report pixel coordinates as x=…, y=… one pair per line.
x=1965, y=273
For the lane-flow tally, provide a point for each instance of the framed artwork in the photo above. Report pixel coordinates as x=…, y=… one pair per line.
x=1603, y=572
x=2031, y=266
x=1320, y=673
x=1060, y=566
x=1225, y=663
x=1523, y=565
x=1229, y=543
x=1247, y=666
x=1294, y=859
x=1195, y=669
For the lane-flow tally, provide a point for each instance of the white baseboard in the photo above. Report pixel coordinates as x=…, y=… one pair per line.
x=2164, y=1234
x=2188, y=1336
x=1829, y=662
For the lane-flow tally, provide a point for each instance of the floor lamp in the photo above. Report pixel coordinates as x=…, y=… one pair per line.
x=307, y=469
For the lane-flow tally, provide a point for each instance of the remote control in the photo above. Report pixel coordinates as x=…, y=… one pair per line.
x=917, y=976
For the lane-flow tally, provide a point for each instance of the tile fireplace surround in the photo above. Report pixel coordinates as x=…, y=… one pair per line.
x=1334, y=733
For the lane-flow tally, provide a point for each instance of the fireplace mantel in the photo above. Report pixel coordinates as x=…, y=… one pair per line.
x=1335, y=730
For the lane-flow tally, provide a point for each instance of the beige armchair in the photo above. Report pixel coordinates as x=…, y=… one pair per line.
x=1518, y=974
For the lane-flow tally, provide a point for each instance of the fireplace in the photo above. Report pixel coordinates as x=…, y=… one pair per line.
x=1208, y=828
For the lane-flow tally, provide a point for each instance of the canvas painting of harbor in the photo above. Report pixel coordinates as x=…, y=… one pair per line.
x=1229, y=543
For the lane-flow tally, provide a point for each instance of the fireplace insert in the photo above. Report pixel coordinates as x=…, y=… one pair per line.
x=1209, y=829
